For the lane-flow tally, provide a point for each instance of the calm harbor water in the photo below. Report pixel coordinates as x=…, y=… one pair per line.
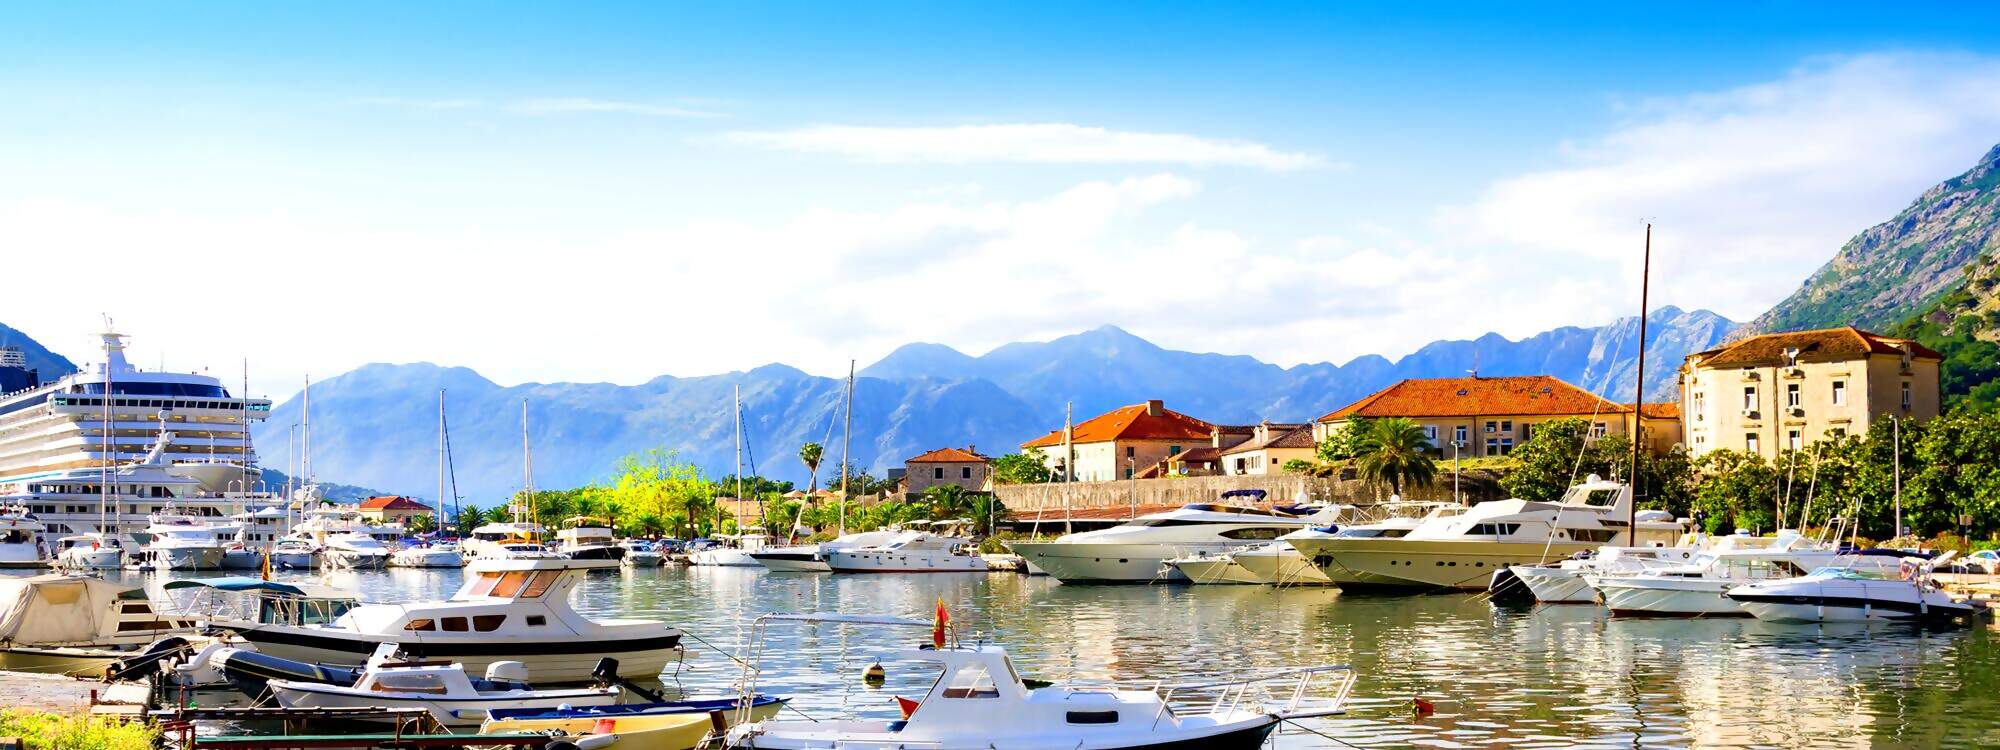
x=1552, y=676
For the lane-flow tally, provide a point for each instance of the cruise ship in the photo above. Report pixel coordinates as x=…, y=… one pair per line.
x=176, y=440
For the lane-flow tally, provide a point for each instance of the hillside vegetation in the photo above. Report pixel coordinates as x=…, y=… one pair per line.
x=1964, y=326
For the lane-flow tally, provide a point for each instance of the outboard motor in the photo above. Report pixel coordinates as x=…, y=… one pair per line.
x=148, y=662
x=606, y=673
x=508, y=675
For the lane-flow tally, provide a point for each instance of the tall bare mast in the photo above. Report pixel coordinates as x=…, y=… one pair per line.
x=527, y=503
x=736, y=417
x=437, y=514
x=104, y=472
x=846, y=441
x=306, y=441
x=1639, y=394
x=243, y=453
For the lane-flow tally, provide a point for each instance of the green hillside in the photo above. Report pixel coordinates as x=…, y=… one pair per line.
x=1964, y=325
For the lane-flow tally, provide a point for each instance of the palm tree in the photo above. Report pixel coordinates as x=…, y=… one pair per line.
x=948, y=501
x=811, y=453
x=1395, y=451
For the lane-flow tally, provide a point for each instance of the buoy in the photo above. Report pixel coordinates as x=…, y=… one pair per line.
x=874, y=675
x=1422, y=707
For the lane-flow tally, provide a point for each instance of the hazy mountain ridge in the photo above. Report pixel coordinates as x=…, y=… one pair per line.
x=50, y=364
x=1897, y=268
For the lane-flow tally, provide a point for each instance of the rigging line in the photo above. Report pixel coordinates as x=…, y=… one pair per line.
x=1583, y=446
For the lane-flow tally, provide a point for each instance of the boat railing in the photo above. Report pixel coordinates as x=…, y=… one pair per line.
x=1288, y=694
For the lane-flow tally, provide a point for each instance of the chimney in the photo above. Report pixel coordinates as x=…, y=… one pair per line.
x=972, y=449
x=1154, y=407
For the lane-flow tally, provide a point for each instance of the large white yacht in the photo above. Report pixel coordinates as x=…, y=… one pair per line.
x=1134, y=552
x=734, y=551
x=508, y=610
x=589, y=541
x=183, y=542
x=60, y=438
x=811, y=558
x=911, y=551
x=1461, y=548
x=22, y=540
x=353, y=550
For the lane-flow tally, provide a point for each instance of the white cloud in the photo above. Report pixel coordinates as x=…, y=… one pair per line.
x=581, y=105
x=1750, y=188
x=1044, y=143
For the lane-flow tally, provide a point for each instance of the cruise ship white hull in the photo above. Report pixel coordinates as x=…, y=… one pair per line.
x=1660, y=596
x=1215, y=570
x=185, y=558
x=878, y=560
x=1283, y=566
x=1555, y=585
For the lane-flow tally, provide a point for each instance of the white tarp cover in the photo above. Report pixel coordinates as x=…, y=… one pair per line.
x=56, y=609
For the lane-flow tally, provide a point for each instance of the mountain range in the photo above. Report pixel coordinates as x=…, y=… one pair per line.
x=376, y=426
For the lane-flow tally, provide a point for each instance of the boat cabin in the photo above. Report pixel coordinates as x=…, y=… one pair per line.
x=242, y=598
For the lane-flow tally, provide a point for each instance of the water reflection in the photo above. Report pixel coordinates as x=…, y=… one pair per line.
x=1552, y=676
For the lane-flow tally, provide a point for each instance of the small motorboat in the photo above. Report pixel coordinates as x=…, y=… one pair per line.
x=980, y=701
x=21, y=541
x=1208, y=567
x=241, y=556
x=453, y=697
x=656, y=725
x=353, y=550
x=90, y=551
x=1850, y=594
x=76, y=625
x=734, y=551
x=811, y=558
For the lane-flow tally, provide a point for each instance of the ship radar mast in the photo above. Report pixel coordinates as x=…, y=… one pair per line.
x=114, y=350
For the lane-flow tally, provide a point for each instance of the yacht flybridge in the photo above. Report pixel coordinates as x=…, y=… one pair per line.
x=589, y=541
x=508, y=610
x=1135, y=551
x=1462, y=548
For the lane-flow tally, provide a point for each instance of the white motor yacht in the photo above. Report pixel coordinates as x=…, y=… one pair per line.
x=1210, y=567
x=1134, y=551
x=589, y=541
x=811, y=558
x=980, y=701
x=181, y=542
x=504, y=540
x=90, y=551
x=735, y=550
x=428, y=555
x=295, y=554
x=352, y=550
x=510, y=609
x=21, y=542
x=1562, y=582
x=1700, y=587
x=909, y=552
x=641, y=554
x=451, y=695
x=1461, y=548
x=1856, y=593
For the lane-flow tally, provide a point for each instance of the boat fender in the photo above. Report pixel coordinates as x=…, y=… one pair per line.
x=874, y=675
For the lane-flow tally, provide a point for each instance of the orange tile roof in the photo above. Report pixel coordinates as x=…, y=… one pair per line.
x=1280, y=436
x=1130, y=423
x=392, y=502
x=1662, y=410
x=948, y=456
x=1846, y=342
x=1526, y=395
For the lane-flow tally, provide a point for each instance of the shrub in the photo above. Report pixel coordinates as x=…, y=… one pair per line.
x=56, y=731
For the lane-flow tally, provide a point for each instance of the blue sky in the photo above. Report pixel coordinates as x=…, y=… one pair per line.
x=632, y=190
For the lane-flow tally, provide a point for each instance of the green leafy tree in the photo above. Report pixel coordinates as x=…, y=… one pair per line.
x=1736, y=490
x=1020, y=468
x=1345, y=444
x=1298, y=466
x=1557, y=455
x=1395, y=452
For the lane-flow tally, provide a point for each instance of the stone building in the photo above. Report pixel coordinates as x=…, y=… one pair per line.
x=1784, y=391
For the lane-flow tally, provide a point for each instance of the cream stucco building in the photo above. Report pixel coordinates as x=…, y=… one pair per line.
x=1491, y=416
x=1783, y=391
x=1267, y=450
x=1121, y=443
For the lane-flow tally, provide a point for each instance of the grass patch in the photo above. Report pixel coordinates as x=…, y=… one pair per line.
x=56, y=731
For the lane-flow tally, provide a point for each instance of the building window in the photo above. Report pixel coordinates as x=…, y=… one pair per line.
x=1129, y=450
x=1793, y=440
x=1458, y=434
x=1599, y=430
x=937, y=472
x=1506, y=446
x=1173, y=450
x=1836, y=432
x=1431, y=432
x=1527, y=432
x=1906, y=395
x=1699, y=403
x=1492, y=427
x=1792, y=395
x=1750, y=442
x=1492, y=447
x=1128, y=472
x=1750, y=398
x=1840, y=393
x=964, y=472
x=1507, y=426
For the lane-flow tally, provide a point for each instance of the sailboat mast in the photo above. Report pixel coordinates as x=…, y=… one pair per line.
x=437, y=514
x=527, y=503
x=104, y=472
x=306, y=444
x=737, y=416
x=846, y=441
x=1639, y=393
x=243, y=453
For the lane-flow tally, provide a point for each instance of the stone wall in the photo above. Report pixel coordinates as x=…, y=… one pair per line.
x=1477, y=486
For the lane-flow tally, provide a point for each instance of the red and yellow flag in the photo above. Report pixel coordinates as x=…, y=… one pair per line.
x=937, y=625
